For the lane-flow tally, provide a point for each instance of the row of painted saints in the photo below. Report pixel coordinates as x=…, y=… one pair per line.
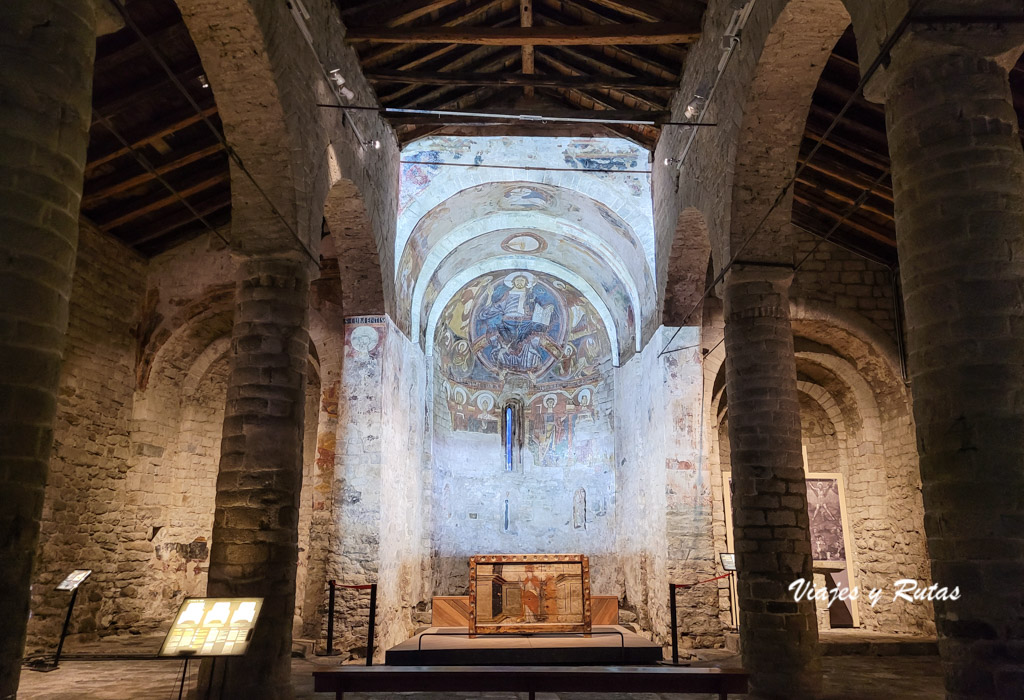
x=521, y=323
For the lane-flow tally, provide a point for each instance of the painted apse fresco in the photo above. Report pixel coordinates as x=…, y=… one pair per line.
x=530, y=336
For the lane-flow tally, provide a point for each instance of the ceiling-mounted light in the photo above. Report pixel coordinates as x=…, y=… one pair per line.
x=203, y=82
x=339, y=84
x=693, y=109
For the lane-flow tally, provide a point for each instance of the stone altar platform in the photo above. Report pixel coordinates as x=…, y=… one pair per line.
x=452, y=646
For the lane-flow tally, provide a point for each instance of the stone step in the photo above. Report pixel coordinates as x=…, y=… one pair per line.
x=880, y=645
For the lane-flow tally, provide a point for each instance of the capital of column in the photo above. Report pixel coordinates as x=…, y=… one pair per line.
x=931, y=48
x=745, y=272
x=288, y=269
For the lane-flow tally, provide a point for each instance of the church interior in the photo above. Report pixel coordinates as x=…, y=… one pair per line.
x=662, y=348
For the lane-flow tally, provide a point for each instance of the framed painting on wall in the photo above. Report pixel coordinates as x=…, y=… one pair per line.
x=515, y=593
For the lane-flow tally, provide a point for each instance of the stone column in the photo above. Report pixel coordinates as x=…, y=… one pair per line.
x=255, y=530
x=958, y=177
x=45, y=110
x=778, y=636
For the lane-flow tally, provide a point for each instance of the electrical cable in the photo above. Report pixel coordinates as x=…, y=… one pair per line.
x=158, y=57
x=528, y=167
x=880, y=59
x=513, y=117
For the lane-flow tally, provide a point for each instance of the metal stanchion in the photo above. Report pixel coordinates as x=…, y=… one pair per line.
x=675, y=627
x=373, y=620
x=64, y=631
x=330, y=621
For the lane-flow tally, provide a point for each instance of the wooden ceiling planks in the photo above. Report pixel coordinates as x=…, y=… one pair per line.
x=148, y=147
x=586, y=55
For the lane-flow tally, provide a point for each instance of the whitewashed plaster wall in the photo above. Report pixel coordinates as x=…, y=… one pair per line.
x=471, y=486
x=664, y=502
x=402, y=579
x=378, y=510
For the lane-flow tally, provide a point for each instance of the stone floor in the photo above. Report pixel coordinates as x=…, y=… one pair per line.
x=846, y=678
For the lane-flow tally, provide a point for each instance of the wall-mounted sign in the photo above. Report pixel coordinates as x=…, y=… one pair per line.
x=212, y=627
x=728, y=561
x=74, y=580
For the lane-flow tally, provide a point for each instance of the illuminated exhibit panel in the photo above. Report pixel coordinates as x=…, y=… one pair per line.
x=74, y=580
x=212, y=627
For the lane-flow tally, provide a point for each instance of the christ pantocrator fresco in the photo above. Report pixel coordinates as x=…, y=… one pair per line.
x=539, y=332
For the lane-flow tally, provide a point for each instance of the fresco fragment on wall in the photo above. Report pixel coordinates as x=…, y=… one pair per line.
x=535, y=332
x=603, y=156
x=359, y=448
x=688, y=482
x=526, y=243
x=514, y=322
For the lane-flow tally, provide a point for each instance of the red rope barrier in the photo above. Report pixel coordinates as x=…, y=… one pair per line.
x=691, y=585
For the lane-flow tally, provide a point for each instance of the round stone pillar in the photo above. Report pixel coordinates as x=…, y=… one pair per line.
x=45, y=108
x=778, y=635
x=255, y=530
x=958, y=178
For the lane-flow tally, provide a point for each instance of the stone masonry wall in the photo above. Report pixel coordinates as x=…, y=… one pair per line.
x=689, y=517
x=664, y=496
x=355, y=545
x=82, y=521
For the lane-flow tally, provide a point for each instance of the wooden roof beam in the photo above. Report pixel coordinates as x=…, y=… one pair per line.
x=629, y=63
x=617, y=93
x=161, y=132
x=402, y=13
x=511, y=80
x=866, y=230
x=94, y=199
x=595, y=115
x=575, y=12
x=500, y=62
x=648, y=11
x=473, y=14
x=592, y=35
x=833, y=194
x=166, y=201
x=526, y=20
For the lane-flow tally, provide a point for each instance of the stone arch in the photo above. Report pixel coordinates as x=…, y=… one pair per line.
x=777, y=100
x=362, y=285
x=687, y=267
x=533, y=265
x=591, y=186
x=850, y=369
x=245, y=59
x=858, y=364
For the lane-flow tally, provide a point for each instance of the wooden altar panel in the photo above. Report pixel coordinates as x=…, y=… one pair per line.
x=532, y=593
x=453, y=610
x=449, y=611
x=605, y=609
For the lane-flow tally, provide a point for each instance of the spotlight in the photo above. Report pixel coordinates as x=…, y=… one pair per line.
x=203, y=82
x=671, y=161
x=339, y=84
x=374, y=144
x=693, y=108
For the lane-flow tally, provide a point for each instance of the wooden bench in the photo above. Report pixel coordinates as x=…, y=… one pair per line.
x=530, y=679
